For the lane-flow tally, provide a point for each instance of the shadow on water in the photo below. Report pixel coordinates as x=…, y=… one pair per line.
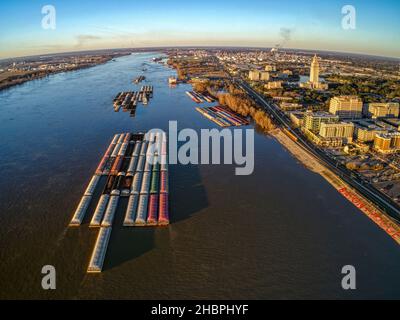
x=188, y=196
x=126, y=243
x=185, y=199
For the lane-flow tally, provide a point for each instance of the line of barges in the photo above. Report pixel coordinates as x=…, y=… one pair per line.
x=135, y=167
x=223, y=116
x=129, y=100
x=380, y=219
x=200, y=97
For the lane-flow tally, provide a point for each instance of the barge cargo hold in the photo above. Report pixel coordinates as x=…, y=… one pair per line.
x=145, y=183
x=164, y=182
x=137, y=183
x=141, y=217
x=132, y=165
x=99, y=212
x=152, y=214
x=136, y=167
x=80, y=211
x=163, y=214
x=110, y=211
x=99, y=252
x=131, y=210
x=92, y=185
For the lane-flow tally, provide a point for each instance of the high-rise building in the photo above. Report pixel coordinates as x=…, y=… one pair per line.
x=337, y=130
x=273, y=85
x=368, y=134
x=270, y=67
x=254, y=75
x=314, y=72
x=395, y=143
x=314, y=82
x=313, y=120
x=264, y=76
x=384, y=110
x=346, y=107
x=382, y=142
x=297, y=118
x=387, y=143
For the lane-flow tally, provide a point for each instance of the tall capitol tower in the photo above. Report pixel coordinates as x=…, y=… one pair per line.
x=314, y=72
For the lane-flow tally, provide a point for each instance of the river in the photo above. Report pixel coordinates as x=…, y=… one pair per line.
x=281, y=233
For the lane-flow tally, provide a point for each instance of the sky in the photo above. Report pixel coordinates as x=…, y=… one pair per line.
x=97, y=24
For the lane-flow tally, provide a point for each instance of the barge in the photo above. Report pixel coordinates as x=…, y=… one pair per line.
x=138, y=79
x=99, y=251
x=380, y=219
x=200, y=97
x=128, y=100
x=134, y=166
x=223, y=116
x=193, y=97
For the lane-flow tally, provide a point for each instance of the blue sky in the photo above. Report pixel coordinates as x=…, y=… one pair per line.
x=100, y=24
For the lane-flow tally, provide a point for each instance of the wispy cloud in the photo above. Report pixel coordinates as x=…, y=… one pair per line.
x=84, y=39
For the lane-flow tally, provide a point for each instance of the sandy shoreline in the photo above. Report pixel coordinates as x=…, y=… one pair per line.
x=365, y=206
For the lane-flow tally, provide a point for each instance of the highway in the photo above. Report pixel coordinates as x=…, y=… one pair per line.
x=353, y=179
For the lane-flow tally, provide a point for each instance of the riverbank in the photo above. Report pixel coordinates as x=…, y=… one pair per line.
x=10, y=79
x=283, y=227
x=365, y=206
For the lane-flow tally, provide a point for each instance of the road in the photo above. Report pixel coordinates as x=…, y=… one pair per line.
x=353, y=179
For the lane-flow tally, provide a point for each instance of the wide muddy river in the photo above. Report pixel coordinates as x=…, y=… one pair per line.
x=282, y=232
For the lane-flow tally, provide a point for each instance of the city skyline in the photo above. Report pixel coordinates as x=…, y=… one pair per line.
x=90, y=26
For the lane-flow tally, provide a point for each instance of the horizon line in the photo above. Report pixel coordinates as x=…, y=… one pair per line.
x=205, y=46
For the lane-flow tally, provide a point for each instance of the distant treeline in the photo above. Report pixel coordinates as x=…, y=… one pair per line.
x=13, y=80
